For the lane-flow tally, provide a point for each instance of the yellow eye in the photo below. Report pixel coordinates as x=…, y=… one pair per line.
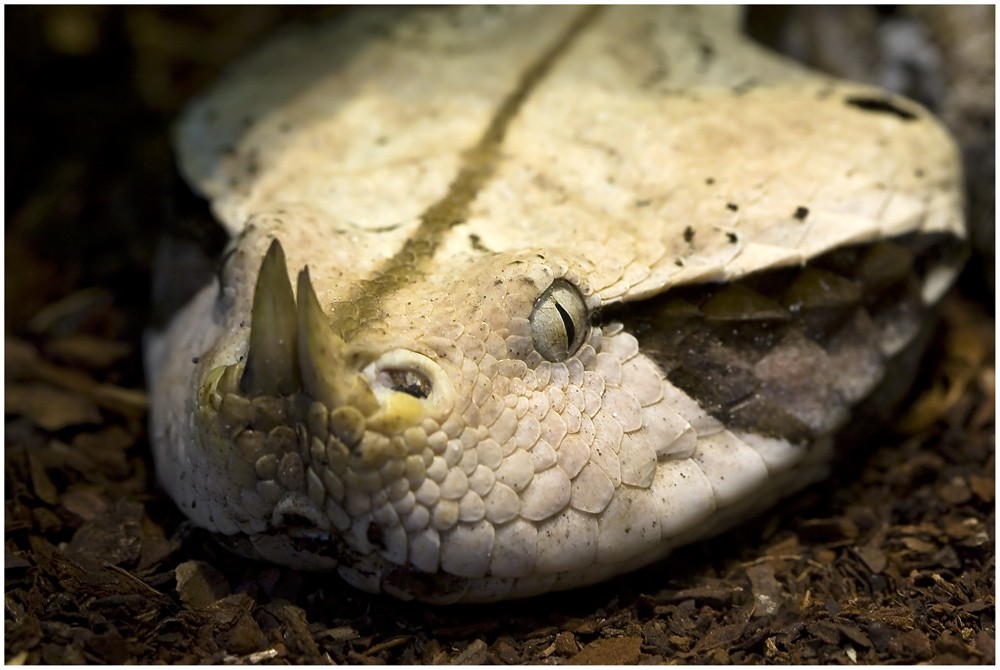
x=559, y=321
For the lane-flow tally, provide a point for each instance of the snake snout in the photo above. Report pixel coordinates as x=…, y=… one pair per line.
x=309, y=443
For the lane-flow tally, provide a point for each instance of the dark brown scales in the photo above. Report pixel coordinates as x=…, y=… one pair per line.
x=787, y=353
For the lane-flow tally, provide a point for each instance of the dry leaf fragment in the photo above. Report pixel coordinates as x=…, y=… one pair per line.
x=91, y=352
x=51, y=409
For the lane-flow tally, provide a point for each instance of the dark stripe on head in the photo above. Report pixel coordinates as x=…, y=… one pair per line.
x=478, y=166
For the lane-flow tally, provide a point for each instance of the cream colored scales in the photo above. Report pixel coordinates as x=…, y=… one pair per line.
x=516, y=363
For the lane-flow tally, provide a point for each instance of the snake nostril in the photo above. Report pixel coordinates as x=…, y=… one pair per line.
x=405, y=381
x=399, y=375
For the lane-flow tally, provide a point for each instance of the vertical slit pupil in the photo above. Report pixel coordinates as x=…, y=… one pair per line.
x=568, y=324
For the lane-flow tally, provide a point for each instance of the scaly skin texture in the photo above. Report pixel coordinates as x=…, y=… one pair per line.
x=441, y=411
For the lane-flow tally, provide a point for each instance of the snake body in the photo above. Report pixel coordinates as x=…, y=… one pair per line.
x=519, y=299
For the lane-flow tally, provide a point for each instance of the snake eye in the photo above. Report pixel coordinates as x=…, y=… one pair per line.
x=559, y=321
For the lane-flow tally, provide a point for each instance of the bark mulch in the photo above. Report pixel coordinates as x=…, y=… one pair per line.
x=891, y=560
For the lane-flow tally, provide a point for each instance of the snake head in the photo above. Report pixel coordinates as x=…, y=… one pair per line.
x=430, y=448
x=471, y=439
x=492, y=437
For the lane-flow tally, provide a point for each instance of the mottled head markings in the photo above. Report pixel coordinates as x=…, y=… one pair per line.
x=478, y=166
